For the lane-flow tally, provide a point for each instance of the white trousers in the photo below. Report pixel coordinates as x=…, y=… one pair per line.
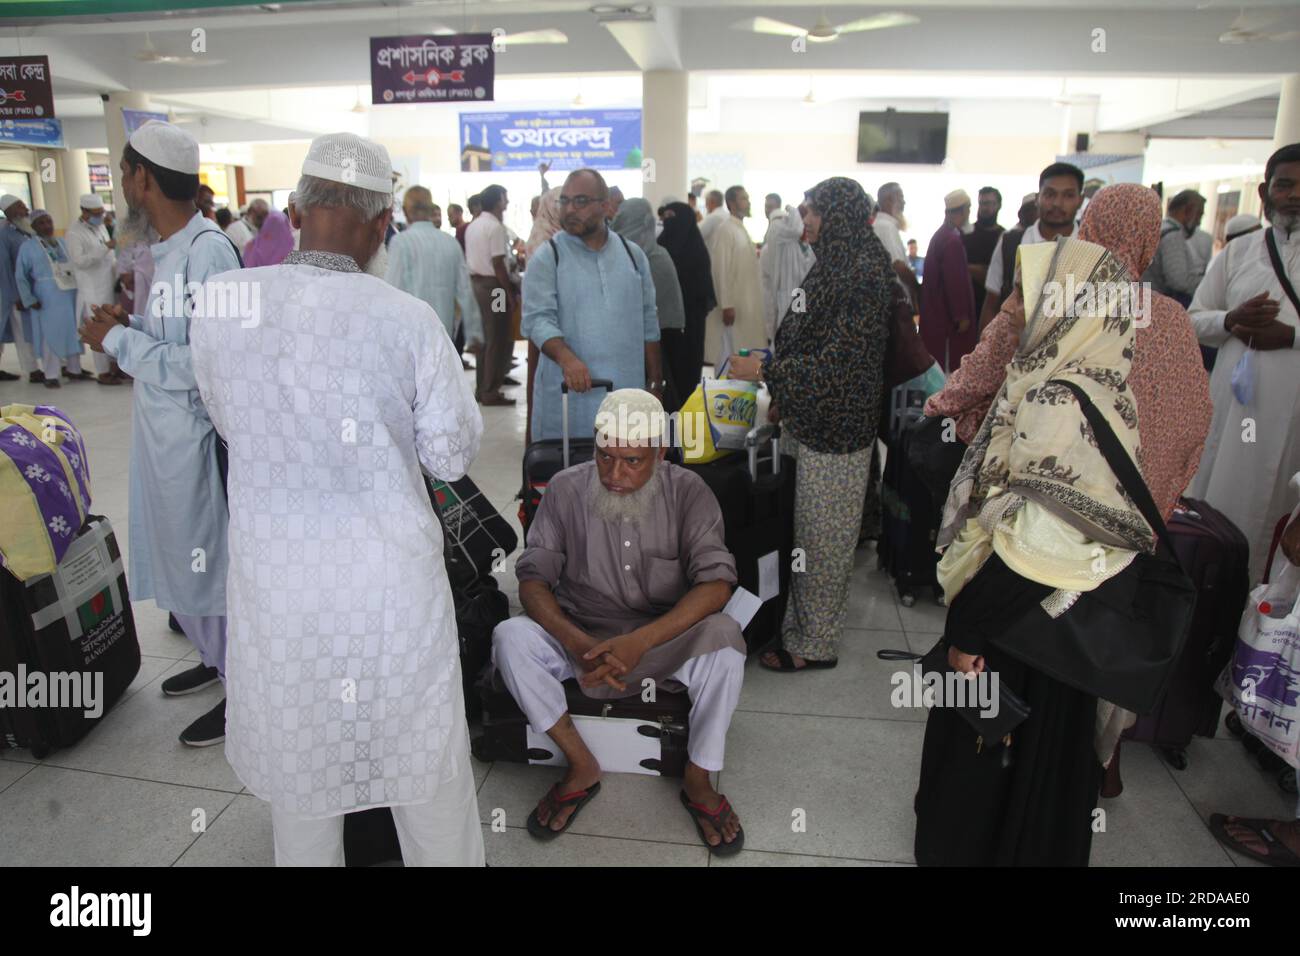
x=26, y=357
x=54, y=364
x=534, y=665
x=442, y=832
x=208, y=634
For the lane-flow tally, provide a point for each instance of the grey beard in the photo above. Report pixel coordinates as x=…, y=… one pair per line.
x=633, y=507
x=1287, y=222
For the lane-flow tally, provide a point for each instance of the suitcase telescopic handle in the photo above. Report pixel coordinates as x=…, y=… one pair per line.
x=755, y=438
x=605, y=383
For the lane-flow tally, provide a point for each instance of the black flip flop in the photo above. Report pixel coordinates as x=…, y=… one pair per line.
x=1276, y=854
x=555, y=803
x=718, y=819
x=788, y=666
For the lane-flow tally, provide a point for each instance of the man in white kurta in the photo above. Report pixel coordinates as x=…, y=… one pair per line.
x=784, y=261
x=737, y=321
x=1254, y=444
x=93, y=260
x=427, y=263
x=344, y=668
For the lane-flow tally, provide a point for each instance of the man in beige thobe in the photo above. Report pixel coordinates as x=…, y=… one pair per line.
x=737, y=321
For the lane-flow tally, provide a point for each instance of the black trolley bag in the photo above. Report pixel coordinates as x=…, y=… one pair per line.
x=72, y=627
x=756, y=494
x=910, y=515
x=546, y=457
x=1216, y=557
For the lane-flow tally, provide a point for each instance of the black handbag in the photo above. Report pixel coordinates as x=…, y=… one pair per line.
x=1120, y=641
x=934, y=459
x=994, y=729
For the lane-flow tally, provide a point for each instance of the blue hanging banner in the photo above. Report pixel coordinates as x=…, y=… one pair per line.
x=568, y=139
x=46, y=133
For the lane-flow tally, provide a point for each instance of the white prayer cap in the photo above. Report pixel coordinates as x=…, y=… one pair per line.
x=167, y=146
x=1240, y=224
x=7, y=200
x=631, y=416
x=1028, y=198
x=956, y=199
x=91, y=201
x=350, y=159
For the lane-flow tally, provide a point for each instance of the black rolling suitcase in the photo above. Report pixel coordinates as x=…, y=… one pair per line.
x=909, y=515
x=627, y=734
x=544, y=458
x=756, y=494
x=1216, y=556
x=74, y=627
x=474, y=531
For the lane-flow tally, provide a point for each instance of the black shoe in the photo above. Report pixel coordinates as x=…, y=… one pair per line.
x=207, y=730
x=509, y=381
x=9, y=377
x=190, y=681
x=52, y=383
x=174, y=624
x=35, y=377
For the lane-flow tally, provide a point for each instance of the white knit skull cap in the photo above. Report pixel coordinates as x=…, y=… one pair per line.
x=167, y=146
x=630, y=416
x=350, y=159
x=91, y=201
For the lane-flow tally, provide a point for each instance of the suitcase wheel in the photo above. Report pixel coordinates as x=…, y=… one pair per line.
x=1251, y=743
x=1286, y=780
x=938, y=597
x=908, y=599
x=1176, y=756
x=1233, y=722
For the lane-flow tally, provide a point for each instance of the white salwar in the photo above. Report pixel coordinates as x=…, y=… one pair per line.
x=93, y=264
x=1252, y=451
x=343, y=665
x=783, y=262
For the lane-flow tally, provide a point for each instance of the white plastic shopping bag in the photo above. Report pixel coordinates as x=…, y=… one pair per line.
x=1263, y=680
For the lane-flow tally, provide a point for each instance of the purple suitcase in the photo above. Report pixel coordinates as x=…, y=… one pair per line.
x=1216, y=556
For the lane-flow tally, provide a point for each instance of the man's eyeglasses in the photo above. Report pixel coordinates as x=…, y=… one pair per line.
x=578, y=202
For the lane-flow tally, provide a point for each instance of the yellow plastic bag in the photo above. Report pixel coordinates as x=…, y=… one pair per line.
x=715, y=419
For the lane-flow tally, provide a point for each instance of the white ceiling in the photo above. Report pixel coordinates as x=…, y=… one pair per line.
x=298, y=71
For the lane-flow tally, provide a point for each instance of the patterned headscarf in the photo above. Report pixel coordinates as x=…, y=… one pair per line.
x=852, y=276
x=1125, y=218
x=1035, y=444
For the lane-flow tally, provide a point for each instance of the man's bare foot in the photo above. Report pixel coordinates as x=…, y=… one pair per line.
x=578, y=778
x=1286, y=831
x=771, y=660
x=700, y=790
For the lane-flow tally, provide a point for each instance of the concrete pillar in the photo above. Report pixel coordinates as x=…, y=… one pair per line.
x=1287, y=130
x=114, y=103
x=664, y=104
x=76, y=180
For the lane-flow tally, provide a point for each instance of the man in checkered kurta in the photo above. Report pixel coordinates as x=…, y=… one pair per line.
x=335, y=394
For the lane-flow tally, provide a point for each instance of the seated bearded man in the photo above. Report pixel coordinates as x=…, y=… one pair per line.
x=623, y=578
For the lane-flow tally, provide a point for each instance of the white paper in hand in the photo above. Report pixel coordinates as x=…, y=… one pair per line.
x=742, y=607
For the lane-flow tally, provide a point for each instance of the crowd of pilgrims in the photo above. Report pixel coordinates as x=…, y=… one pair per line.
x=607, y=287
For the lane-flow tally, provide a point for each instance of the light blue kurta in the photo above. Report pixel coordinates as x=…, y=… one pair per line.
x=427, y=263
x=11, y=241
x=603, y=306
x=54, y=324
x=177, y=502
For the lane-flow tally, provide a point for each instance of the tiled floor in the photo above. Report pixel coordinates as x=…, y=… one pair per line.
x=825, y=750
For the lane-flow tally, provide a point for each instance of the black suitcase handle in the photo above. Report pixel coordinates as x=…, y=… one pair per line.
x=605, y=383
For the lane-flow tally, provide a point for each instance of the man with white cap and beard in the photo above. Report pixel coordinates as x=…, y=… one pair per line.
x=177, y=498
x=93, y=259
x=345, y=682
x=624, y=578
x=15, y=321
x=948, y=325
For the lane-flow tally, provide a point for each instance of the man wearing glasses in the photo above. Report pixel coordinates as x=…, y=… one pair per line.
x=589, y=305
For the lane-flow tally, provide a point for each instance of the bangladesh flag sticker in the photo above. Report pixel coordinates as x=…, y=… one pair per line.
x=99, y=607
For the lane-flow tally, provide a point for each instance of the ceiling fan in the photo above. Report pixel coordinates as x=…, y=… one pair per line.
x=1251, y=28
x=823, y=31
x=151, y=54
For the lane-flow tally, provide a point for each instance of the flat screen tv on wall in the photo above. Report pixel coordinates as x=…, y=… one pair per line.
x=895, y=137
